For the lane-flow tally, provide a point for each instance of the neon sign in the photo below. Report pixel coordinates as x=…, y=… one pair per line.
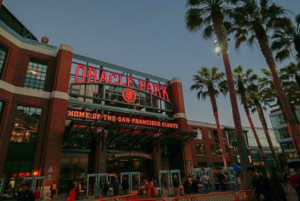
x=86, y=74
x=129, y=95
x=121, y=119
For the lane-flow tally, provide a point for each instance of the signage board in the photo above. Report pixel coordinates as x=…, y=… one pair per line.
x=86, y=74
x=132, y=155
x=121, y=119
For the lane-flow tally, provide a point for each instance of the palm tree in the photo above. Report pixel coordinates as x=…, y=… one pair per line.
x=292, y=71
x=242, y=82
x=256, y=101
x=252, y=21
x=287, y=39
x=213, y=14
x=210, y=82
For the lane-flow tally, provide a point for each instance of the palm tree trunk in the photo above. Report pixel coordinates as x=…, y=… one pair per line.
x=215, y=111
x=260, y=113
x=267, y=52
x=220, y=32
x=260, y=148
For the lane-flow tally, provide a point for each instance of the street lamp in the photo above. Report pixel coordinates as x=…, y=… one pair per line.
x=217, y=48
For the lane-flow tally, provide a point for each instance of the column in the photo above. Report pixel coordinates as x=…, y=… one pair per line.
x=180, y=115
x=57, y=116
x=101, y=155
x=157, y=162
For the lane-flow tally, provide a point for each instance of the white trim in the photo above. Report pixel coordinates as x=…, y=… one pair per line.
x=180, y=115
x=60, y=95
x=27, y=46
x=176, y=79
x=32, y=92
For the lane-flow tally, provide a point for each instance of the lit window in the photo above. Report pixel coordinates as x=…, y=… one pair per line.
x=26, y=124
x=199, y=133
x=2, y=104
x=36, y=74
x=212, y=148
x=3, y=53
x=209, y=134
x=200, y=149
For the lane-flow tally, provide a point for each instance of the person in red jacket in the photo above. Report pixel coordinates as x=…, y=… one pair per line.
x=295, y=181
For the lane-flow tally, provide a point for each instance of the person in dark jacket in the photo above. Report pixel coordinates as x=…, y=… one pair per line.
x=116, y=187
x=194, y=186
x=176, y=186
x=125, y=186
x=187, y=185
x=25, y=194
x=277, y=182
x=261, y=185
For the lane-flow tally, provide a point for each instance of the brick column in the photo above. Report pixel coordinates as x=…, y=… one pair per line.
x=57, y=114
x=157, y=160
x=1, y=1
x=179, y=114
x=100, y=156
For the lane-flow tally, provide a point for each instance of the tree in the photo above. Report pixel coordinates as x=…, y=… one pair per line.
x=287, y=39
x=252, y=21
x=243, y=82
x=213, y=14
x=210, y=82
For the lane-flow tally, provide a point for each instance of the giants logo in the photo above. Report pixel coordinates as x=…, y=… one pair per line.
x=129, y=95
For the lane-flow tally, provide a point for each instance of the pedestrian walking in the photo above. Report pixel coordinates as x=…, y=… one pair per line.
x=125, y=186
x=53, y=189
x=205, y=182
x=70, y=187
x=187, y=185
x=116, y=187
x=72, y=193
x=176, y=186
x=277, y=183
x=25, y=194
x=295, y=181
x=261, y=186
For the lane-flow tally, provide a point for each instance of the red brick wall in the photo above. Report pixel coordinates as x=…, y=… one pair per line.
x=209, y=158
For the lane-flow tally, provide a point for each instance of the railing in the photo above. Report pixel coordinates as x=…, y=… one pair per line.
x=291, y=194
x=246, y=195
x=222, y=196
x=120, y=198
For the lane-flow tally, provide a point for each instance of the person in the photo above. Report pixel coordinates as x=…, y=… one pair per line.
x=125, y=186
x=194, y=186
x=277, y=182
x=116, y=187
x=25, y=194
x=176, y=186
x=105, y=189
x=187, y=185
x=53, y=188
x=72, y=193
x=221, y=179
x=70, y=187
x=261, y=185
x=295, y=181
x=152, y=188
x=165, y=182
x=205, y=182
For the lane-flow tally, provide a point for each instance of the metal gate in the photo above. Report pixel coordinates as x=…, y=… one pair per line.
x=166, y=179
x=95, y=180
x=36, y=183
x=134, y=180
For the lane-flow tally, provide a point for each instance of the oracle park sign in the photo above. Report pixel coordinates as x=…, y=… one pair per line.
x=87, y=74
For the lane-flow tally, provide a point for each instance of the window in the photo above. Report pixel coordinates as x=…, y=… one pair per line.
x=200, y=149
x=36, y=74
x=26, y=124
x=287, y=145
x=199, y=133
x=2, y=105
x=212, y=148
x=209, y=134
x=218, y=150
x=3, y=53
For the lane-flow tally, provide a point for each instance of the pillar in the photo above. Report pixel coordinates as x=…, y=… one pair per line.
x=57, y=116
x=180, y=116
x=100, y=156
x=157, y=160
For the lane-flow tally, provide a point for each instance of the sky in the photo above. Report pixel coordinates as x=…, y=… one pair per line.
x=148, y=36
